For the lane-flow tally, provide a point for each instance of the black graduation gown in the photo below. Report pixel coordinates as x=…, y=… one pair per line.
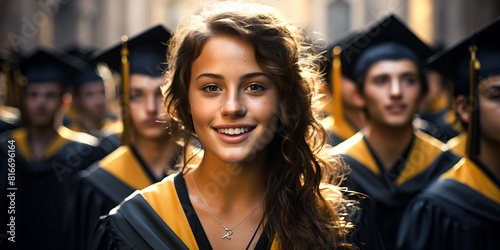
x=459, y=211
x=424, y=160
x=437, y=125
x=158, y=217
x=100, y=188
x=108, y=138
x=109, y=142
x=5, y=126
x=38, y=187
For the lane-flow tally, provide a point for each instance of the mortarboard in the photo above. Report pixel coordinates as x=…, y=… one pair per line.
x=342, y=43
x=49, y=66
x=388, y=39
x=453, y=62
x=147, y=52
x=88, y=72
x=336, y=66
x=143, y=54
x=474, y=58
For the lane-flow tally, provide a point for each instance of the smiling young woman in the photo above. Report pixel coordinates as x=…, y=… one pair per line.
x=241, y=82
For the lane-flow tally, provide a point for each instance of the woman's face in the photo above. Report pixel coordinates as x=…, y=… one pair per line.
x=233, y=102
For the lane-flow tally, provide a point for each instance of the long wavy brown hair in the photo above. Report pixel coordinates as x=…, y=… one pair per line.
x=301, y=213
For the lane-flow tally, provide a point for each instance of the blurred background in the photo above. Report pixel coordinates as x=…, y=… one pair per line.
x=25, y=24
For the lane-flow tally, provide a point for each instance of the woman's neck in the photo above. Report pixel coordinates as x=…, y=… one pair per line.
x=157, y=154
x=388, y=144
x=229, y=183
x=231, y=194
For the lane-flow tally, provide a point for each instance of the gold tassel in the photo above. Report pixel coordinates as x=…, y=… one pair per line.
x=473, y=66
x=126, y=93
x=338, y=115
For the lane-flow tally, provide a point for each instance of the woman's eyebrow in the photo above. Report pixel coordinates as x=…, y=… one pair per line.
x=210, y=75
x=244, y=77
x=255, y=74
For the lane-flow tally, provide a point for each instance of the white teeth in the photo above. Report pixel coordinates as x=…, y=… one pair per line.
x=233, y=131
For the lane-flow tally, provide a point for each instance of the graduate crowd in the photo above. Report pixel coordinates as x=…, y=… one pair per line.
x=234, y=131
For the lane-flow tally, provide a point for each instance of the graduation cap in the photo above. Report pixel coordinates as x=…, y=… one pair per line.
x=453, y=62
x=49, y=66
x=466, y=63
x=388, y=39
x=336, y=66
x=143, y=54
x=346, y=66
x=88, y=72
x=147, y=52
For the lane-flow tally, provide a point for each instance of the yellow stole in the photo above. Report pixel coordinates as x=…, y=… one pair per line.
x=55, y=144
x=468, y=173
x=424, y=150
x=163, y=198
x=457, y=144
x=123, y=165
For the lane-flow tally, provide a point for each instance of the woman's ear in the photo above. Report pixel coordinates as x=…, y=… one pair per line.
x=462, y=108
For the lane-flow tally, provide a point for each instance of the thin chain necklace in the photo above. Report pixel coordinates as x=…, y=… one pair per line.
x=229, y=232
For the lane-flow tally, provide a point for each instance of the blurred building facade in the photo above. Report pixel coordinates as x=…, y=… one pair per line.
x=25, y=24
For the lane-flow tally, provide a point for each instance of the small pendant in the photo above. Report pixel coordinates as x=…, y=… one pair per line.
x=228, y=234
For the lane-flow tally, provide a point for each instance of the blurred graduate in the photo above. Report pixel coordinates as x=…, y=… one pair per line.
x=391, y=160
x=462, y=209
x=47, y=155
x=88, y=111
x=344, y=116
x=436, y=114
x=147, y=154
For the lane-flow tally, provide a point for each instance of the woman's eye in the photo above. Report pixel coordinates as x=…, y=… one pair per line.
x=211, y=88
x=255, y=88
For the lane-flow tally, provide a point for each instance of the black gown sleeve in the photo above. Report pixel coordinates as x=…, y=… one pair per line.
x=86, y=203
x=430, y=222
x=134, y=224
x=366, y=234
x=106, y=236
